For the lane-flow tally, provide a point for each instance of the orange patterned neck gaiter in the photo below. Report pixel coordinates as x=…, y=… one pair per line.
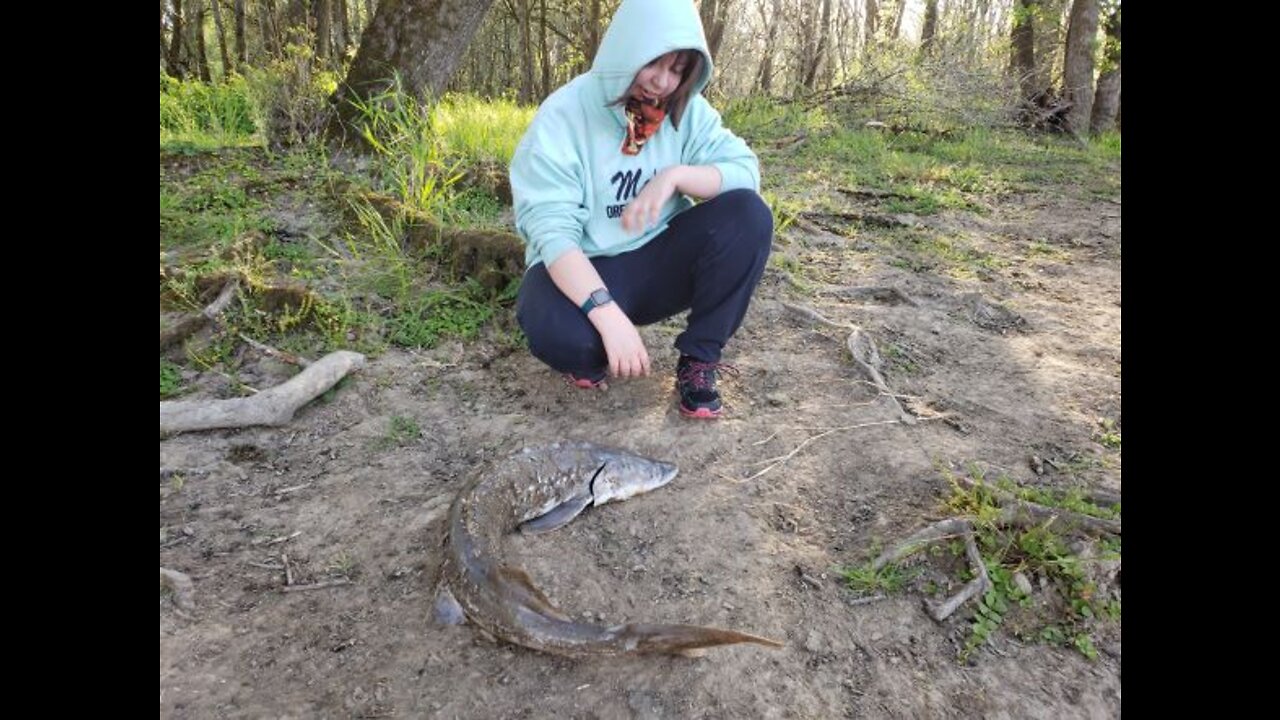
x=643, y=120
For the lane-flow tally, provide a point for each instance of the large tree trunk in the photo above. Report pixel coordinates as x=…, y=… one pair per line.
x=227, y=67
x=422, y=40
x=1023, y=59
x=1106, y=103
x=242, y=47
x=1077, y=81
x=898, y=13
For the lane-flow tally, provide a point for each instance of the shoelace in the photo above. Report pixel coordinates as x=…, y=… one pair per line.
x=701, y=375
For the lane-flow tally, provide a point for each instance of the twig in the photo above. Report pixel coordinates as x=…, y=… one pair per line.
x=865, y=600
x=809, y=313
x=278, y=354
x=292, y=488
x=783, y=458
x=283, y=538
x=317, y=586
x=288, y=571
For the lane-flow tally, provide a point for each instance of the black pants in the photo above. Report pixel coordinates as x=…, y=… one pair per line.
x=708, y=261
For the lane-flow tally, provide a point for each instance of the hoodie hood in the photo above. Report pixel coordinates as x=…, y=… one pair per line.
x=641, y=31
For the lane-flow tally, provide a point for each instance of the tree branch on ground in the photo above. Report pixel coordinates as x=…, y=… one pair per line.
x=273, y=407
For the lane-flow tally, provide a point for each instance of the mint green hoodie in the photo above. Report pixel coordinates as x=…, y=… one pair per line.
x=569, y=178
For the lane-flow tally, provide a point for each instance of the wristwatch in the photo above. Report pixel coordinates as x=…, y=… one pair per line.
x=596, y=299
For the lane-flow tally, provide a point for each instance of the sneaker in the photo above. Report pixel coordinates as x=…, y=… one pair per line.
x=696, y=383
x=587, y=383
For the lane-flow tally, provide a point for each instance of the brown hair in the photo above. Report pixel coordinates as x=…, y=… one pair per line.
x=679, y=98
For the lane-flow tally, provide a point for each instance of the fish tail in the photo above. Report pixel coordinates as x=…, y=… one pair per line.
x=682, y=639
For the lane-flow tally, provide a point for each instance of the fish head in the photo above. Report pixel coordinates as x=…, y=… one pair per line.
x=623, y=475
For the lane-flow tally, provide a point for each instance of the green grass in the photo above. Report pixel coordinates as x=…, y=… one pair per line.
x=476, y=130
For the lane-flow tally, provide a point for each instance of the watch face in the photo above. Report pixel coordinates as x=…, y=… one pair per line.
x=600, y=297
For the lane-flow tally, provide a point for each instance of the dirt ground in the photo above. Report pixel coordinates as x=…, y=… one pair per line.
x=1022, y=357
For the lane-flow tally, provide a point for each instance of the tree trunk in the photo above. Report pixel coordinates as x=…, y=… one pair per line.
x=242, y=48
x=715, y=15
x=591, y=36
x=422, y=40
x=819, y=50
x=321, y=14
x=521, y=10
x=268, y=28
x=227, y=67
x=342, y=28
x=545, y=53
x=1106, y=103
x=197, y=29
x=1077, y=82
x=764, y=78
x=930, y=28
x=1023, y=60
x=897, y=19
x=173, y=59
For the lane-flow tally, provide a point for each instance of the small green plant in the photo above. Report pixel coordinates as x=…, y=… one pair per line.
x=865, y=579
x=1108, y=434
x=401, y=431
x=170, y=379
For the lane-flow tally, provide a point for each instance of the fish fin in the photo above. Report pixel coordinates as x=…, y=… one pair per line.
x=687, y=640
x=447, y=610
x=558, y=516
x=532, y=597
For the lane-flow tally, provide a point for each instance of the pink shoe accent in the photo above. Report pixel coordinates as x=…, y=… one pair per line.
x=701, y=413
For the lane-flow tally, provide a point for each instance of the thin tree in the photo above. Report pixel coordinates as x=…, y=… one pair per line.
x=227, y=67
x=1077, y=81
x=820, y=48
x=930, y=28
x=242, y=48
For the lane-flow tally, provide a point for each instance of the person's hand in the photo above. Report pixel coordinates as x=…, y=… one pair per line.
x=622, y=344
x=642, y=212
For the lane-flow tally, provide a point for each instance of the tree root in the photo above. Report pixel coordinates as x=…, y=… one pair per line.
x=1024, y=512
x=192, y=324
x=865, y=355
x=272, y=407
x=1014, y=512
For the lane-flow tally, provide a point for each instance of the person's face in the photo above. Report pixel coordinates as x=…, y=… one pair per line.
x=657, y=80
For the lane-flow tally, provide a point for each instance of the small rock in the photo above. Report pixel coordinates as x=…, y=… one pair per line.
x=1022, y=582
x=813, y=643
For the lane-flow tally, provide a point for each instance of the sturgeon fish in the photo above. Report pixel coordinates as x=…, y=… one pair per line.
x=538, y=490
